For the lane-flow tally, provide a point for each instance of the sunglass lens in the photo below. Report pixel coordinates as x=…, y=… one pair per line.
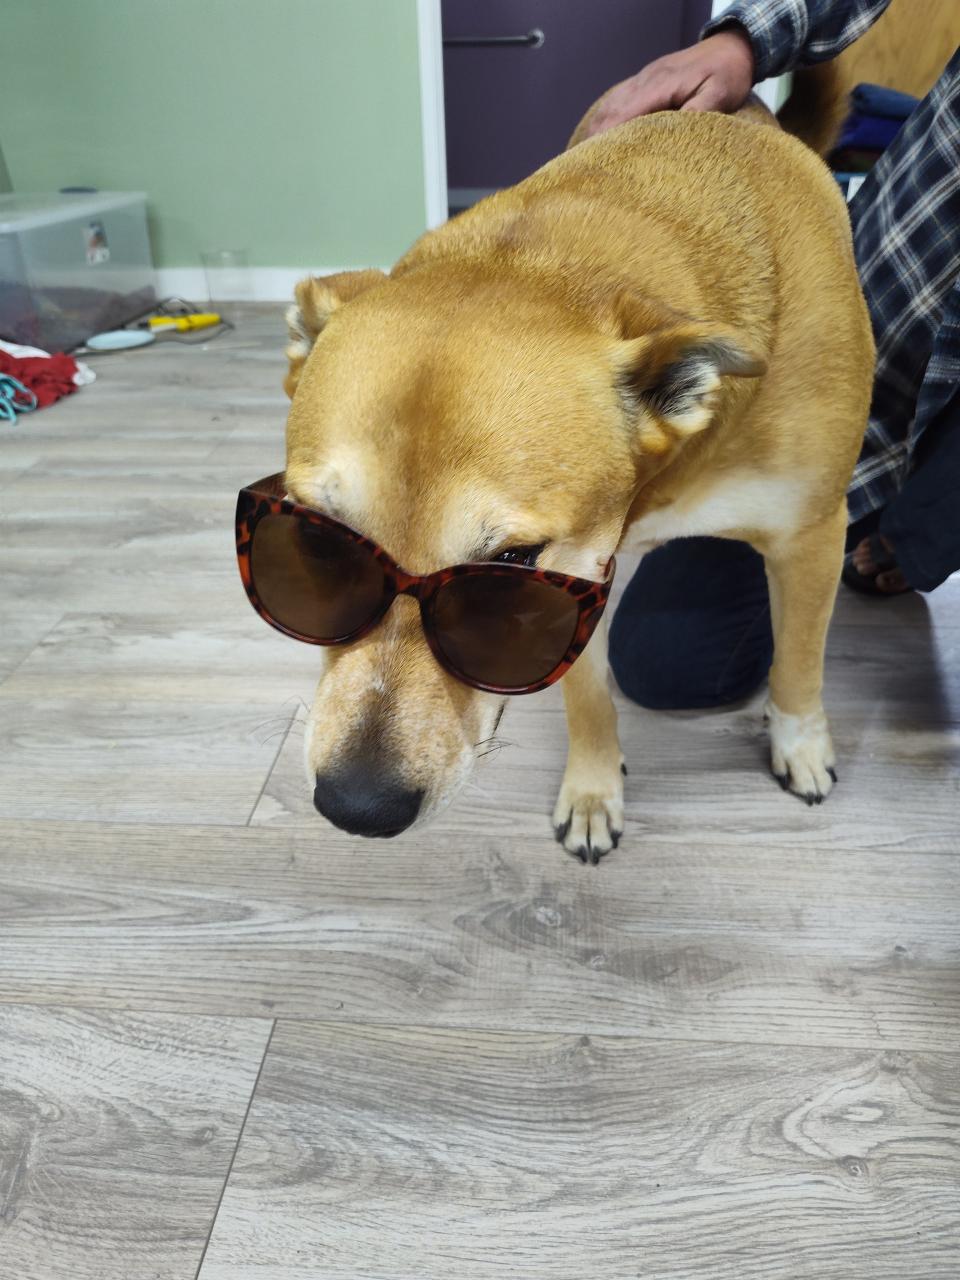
x=313, y=579
x=509, y=631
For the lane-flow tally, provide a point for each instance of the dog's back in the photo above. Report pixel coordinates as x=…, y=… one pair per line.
x=695, y=208
x=718, y=217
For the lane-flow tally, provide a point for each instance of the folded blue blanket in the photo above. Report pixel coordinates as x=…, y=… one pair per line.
x=875, y=100
x=873, y=132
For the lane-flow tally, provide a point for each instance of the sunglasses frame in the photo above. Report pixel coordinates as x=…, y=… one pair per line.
x=266, y=497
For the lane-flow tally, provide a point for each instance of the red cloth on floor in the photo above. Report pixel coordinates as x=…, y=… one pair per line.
x=48, y=377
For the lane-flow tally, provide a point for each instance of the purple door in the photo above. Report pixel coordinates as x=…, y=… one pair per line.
x=513, y=104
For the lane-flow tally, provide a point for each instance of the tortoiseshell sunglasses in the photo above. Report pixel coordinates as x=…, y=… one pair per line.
x=503, y=628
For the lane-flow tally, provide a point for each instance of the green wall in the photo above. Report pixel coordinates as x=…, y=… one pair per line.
x=289, y=128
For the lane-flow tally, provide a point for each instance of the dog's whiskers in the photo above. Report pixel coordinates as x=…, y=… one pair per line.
x=492, y=745
x=272, y=722
x=284, y=721
x=277, y=733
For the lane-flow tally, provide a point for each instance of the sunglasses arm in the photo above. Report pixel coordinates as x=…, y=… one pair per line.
x=274, y=486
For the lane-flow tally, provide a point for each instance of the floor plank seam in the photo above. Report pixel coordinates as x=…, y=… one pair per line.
x=303, y=830
x=273, y=765
x=236, y=1148
x=132, y=822
x=30, y=652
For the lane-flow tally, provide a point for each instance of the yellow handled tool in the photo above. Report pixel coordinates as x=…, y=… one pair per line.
x=202, y=320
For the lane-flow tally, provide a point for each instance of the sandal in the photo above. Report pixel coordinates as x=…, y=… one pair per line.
x=866, y=583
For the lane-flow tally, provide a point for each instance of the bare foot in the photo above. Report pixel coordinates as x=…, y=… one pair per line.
x=889, y=581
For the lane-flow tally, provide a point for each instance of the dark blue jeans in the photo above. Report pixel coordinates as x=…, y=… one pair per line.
x=693, y=627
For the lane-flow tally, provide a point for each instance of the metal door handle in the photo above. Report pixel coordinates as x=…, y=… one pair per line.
x=532, y=40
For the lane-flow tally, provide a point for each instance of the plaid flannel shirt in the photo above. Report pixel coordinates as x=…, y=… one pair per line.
x=906, y=231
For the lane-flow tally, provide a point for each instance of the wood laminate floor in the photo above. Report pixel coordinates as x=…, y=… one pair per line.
x=238, y=1045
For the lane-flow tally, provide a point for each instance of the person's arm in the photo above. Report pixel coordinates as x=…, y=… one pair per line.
x=796, y=33
x=750, y=41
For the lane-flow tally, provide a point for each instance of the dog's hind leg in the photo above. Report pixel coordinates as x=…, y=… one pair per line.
x=588, y=818
x=803, y=571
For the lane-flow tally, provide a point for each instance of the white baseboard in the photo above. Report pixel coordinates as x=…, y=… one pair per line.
x=256, y=284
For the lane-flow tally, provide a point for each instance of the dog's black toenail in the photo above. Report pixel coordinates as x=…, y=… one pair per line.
x=833, y=774
x=615, y=837
x=561, y=831
x=784, y=780
x=623, y=769
x=810, y=799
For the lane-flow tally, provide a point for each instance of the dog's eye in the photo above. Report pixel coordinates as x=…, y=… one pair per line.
x=520, y=555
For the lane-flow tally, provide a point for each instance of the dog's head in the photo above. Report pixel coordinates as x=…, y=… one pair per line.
x=450, y=417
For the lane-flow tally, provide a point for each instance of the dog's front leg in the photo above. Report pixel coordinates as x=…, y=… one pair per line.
x=802, y=572
x=588, y=819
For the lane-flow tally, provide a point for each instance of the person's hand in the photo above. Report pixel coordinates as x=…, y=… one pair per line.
x=715, y=75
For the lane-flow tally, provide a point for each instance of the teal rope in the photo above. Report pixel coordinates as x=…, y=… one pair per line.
x=14, y=398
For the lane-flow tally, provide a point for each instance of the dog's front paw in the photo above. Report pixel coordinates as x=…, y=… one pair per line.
x=802, y=753
x=588, y=818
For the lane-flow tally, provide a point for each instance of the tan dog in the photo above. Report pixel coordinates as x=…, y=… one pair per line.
x=659, y=334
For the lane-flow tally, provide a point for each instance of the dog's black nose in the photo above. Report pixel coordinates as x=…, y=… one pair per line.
x=364, y=804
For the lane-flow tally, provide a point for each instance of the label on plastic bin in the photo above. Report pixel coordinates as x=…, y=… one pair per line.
x=96, y=241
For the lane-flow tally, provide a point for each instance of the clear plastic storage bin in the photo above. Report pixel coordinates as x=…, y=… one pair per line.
x=72, y=266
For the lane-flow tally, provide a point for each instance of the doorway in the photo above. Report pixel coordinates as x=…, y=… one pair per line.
x=519, y=74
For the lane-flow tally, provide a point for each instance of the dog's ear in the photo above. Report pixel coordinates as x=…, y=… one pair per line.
x=317, y=298
x=674, y=373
